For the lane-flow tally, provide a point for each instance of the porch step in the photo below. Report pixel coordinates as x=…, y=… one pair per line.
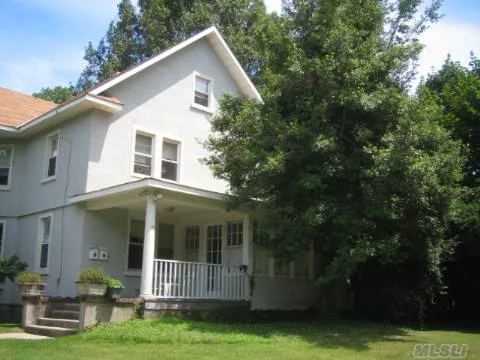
x=65, y=314
x=52, y=331
x=62, y=323
x=66, y=306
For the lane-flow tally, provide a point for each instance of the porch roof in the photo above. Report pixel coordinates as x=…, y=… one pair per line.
x=125, y=193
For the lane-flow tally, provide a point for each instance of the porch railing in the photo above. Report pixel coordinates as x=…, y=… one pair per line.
x=188, y=280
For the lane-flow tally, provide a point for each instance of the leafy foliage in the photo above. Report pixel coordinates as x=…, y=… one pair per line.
x=93, y=275
x=28, y=277
x=57, y=94
x=340, y=155
x=113, y=283
x=158, y=24
x=10, y=267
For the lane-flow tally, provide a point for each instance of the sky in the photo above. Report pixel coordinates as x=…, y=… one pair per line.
x=42, y=42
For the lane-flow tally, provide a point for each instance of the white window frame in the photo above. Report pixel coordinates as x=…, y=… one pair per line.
x=239, y=240
x=40, y=241
x=10, y=169
x=152, y=156
x=47, y=178
x=179, y=158
x=3, y=237
x=209, y=108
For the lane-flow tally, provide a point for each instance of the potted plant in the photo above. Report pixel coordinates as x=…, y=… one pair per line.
x=91, y=282
x=30, y=283
x=114, y=287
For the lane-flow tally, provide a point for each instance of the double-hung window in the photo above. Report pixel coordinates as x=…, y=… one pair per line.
x=51, y=156
x=170, y=160
x=6, y=161
x=45, y=236
x=202, y=97
x=2, y=237
x=143, y=158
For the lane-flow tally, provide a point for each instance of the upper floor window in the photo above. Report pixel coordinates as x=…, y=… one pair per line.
x=170, y=160
x=45, y=236
x=2, y=236
x=6, y=161
x=51, y=156
x=142, y=163
x=202, y=97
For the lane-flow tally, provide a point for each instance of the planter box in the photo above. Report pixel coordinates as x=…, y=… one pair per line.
x=114, y=293
x=88, y=289
x=27, y=290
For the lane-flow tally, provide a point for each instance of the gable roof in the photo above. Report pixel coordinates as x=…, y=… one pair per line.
x=16, y=108
x=94, y=97
x=219, y=45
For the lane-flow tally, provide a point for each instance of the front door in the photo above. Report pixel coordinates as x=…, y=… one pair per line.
x=214, y=256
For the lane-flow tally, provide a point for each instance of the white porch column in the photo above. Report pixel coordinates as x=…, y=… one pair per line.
x=247, y=247
x=148, y=245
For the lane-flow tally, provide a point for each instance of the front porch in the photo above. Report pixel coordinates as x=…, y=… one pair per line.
x=181, y=244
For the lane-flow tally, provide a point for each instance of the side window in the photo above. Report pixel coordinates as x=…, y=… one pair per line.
x=45, y=237
x=143, y=157
x=3, y=225
x=6, y=162
x=170, y=160
x=135, y=245
x=51, y=159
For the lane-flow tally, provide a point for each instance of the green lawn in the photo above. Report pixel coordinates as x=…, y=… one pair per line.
x=179, y=339
x=9, y=328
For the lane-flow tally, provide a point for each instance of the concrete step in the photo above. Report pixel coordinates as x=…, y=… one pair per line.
x=65, y=306
x=52, y=331
x=65, y=314
x=63, y=323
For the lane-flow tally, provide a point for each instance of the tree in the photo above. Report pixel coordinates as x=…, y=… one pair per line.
x=159, y=24
x=340, y=155
x=58, y=94
x=9, y=268
x=457, y=89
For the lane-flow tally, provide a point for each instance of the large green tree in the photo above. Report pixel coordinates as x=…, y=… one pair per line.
x=340, y=155
x=158, y=24
x=58, y=94
x=457, y=89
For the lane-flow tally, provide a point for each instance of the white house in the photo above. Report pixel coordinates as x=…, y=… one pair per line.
x=112, y=178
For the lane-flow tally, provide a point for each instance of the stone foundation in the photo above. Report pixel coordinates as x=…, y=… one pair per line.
x=155, y=308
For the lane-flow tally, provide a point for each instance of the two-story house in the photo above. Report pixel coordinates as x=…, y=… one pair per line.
x=112, y=178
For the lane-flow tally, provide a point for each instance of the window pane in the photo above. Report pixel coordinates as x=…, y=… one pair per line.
x=52, y=165
x=137, y=228
x=4, y=172
x=282, y=267
x=53, y=145
x=5, y=156
x=44, y=256
x=1, y=238
x=169, y=151
x=142, y=165
x=201, y=85
x=169, y=170
x=46, y=222
x=201, y=99
x=302, y=264
x=135, y=256
x=143, y=144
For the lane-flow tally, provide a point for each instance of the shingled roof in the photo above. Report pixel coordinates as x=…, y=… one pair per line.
x=17, y=108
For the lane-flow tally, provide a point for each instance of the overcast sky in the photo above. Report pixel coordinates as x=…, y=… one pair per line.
x=42, y=42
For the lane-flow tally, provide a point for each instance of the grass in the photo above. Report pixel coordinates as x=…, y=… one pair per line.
x=9, y=328
x=181, y=339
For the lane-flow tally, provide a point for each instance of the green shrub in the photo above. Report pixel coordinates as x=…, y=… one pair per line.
x=113, y=283
x=93, y=275
x=28, y=277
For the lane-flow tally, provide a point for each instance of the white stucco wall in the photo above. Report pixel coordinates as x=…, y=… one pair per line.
x=158, y=101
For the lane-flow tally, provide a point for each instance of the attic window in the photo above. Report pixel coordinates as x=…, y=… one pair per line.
x=203, y=92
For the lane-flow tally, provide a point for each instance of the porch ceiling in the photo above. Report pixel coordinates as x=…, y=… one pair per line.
x=173, y=198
